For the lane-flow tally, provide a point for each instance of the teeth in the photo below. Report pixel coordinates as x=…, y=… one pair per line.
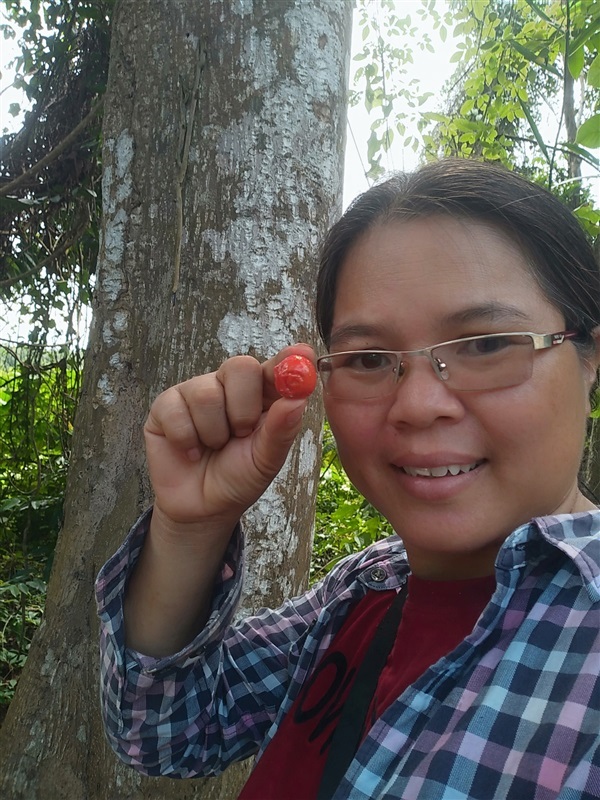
x=439, y=472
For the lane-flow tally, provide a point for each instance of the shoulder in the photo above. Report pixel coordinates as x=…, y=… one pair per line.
x=578, y=537
x=380, y=566
x=575, y=536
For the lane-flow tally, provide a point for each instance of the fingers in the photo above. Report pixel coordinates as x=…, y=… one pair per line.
x=274, y=438
x=241, y=380
x=170, y=419
x=208, y=410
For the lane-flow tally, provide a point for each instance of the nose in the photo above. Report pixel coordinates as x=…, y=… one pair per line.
x=420, y=397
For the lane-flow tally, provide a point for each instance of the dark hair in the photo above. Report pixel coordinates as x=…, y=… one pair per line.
x=561, y=258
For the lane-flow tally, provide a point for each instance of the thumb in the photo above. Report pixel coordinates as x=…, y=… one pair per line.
x=276, y=435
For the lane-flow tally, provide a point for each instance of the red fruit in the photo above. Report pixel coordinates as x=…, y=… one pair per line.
x=295, y=377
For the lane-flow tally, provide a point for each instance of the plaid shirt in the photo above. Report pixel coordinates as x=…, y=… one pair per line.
x=513, y=713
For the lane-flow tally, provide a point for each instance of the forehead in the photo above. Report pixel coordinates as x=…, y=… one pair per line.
x=435, y=268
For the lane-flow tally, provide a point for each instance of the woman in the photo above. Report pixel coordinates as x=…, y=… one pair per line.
x=460, y=310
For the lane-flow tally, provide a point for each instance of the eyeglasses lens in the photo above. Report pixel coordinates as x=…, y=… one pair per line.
x=490, y=362
x=476, y=364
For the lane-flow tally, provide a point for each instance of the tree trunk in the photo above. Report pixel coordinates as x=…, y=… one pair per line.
x=224, y=131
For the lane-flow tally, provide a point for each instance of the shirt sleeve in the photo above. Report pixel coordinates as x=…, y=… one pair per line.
x=195, y=712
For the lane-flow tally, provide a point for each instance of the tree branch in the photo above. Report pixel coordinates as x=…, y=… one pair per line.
x=54, y=153
x=58, y=251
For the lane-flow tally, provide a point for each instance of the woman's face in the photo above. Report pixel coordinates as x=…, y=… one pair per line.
x=408, y=285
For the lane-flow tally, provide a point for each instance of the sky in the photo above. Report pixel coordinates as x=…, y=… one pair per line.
x=430, y=69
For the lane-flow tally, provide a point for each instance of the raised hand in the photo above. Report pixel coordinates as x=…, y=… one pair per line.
x=215, y=442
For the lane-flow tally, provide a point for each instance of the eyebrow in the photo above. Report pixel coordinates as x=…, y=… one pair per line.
x=483, y=312
x=353, y=331
x=490, y=312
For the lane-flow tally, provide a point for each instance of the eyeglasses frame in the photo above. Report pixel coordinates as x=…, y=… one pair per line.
x=541, y=341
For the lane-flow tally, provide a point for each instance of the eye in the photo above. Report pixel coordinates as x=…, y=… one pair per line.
x=485, y=346
x=367, y=361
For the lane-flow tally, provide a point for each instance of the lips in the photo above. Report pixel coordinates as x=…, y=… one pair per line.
x=441, y=471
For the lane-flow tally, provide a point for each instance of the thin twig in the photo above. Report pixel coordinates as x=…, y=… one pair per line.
x=59, y=251
x=54, y=153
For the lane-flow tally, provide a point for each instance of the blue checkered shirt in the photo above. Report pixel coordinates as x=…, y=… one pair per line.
x=513, y=713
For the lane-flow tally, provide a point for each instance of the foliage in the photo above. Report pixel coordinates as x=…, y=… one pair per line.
x=21, y=608
x=380, y=80
x=50, y=171
x=39, y=389
x=345, y=521
x=49, y=212
x=517, y=60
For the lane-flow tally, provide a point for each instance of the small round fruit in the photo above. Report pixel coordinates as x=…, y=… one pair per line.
x=295, y=377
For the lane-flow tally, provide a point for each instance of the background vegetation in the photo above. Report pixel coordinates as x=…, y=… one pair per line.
x=525, y=92
x=39, y=387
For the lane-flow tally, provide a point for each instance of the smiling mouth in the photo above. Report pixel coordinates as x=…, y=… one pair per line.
x=440, y=472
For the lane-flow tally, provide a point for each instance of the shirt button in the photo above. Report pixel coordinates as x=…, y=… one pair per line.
x=378, y=574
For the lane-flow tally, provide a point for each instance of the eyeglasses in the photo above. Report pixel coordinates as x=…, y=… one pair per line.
x=475, y=363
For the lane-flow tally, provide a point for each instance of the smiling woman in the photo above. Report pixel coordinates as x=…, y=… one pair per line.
x=460, y=308
x=412, y=283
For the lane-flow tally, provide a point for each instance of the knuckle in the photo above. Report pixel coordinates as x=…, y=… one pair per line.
x=238, y=366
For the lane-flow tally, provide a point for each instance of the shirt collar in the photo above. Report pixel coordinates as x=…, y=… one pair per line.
x=575, y=535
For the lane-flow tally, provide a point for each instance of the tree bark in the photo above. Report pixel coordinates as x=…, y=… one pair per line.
x=224, y=131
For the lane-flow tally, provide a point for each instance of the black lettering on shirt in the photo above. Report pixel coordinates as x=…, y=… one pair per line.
x=324, y=708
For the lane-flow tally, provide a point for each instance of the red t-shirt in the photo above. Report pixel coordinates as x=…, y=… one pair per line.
x=437, y=616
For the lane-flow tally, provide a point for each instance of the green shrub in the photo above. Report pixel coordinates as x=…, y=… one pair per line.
x=39, y=389
x=21, y=607
x=345, y=521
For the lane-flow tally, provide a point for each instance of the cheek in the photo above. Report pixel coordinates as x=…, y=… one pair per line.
x=541, y=426
x=354, y=427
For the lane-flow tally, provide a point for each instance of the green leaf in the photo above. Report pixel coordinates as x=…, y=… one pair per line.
x=467, y=106
x=541, y=13
x=373, y=146
x=593, y=76
x=479, y=9
x=583, y=154
x=586, y=34
x=387, y=139
x=588, y=213
x=534, y=58
x=576, y=62
x=12, y=204
x=466, y=125
x=589, y=133
x=535, y=130
x=435, y=117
